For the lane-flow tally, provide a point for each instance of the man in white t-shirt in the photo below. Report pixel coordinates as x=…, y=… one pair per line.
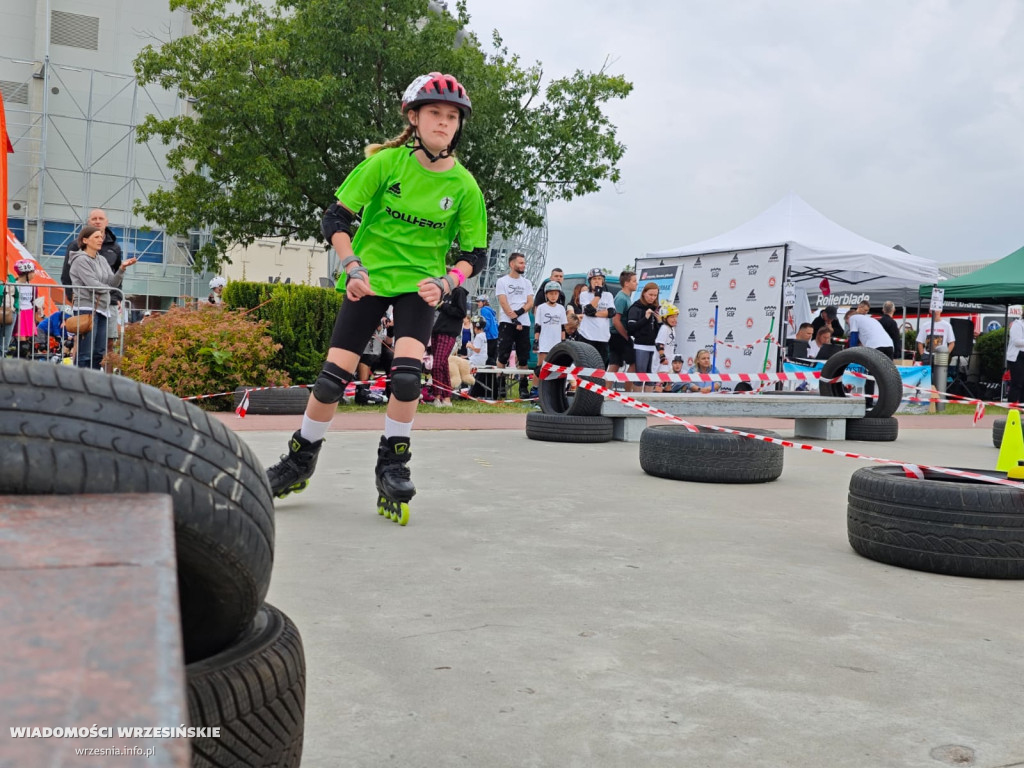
x=515, y=298
x=935, y=334
x=598, y=308
x=870, y=332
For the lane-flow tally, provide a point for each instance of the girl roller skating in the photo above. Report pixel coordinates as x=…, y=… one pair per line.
x=416, y=200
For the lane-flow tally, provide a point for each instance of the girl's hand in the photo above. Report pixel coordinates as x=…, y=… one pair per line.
x=357, y=287
x=430, y=291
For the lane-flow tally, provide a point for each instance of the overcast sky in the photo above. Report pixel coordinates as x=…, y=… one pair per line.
x=902, y=120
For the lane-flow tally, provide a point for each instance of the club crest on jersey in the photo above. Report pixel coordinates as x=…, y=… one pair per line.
x=446, y=203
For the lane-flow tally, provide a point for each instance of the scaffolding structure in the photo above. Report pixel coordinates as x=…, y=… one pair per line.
x=74, y=133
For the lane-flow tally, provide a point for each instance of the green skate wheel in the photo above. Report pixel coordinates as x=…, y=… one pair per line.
x=402, y=515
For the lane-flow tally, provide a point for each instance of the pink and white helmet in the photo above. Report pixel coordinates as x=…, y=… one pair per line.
x=24, y=266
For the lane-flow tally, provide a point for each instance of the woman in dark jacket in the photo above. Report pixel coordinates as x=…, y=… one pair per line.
x=642, y=324
x=447, y=329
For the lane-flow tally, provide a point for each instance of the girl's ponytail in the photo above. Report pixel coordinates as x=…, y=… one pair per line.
x=398, y=141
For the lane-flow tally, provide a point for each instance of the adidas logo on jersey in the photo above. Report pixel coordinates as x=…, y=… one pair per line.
x=395, y=189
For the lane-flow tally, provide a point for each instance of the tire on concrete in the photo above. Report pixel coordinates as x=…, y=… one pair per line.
x=255, y=690
x=558, y=428
x=707, y=456
x=998, y=428
x=554, y=397
x=67, y=430
x=873, y=430
x=888, y=384
x=280, y=401
x=941, y=524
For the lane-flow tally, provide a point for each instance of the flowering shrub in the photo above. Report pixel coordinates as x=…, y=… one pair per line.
x=200, y=352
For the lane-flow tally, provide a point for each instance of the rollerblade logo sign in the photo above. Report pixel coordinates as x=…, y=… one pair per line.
x=735, y=260
x=752, y=296
x=714, y=297
x=400, y=448
x=729, y=337
x=692, y=336
x=414, y=220
x=446, y=203
x=395, y=189
x=774, y=258
x=697, y=264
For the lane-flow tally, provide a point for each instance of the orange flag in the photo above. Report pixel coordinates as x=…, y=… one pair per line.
x=4, y=149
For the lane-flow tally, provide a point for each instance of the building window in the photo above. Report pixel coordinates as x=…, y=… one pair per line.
x=56, y=236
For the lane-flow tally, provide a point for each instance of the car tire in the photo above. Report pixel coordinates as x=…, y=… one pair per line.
x=278, y=401
x=888, y=384
x=254, y=691
x=66, y=430
x=558, y=428
x=873, y=430
x=708, y=456
x=998, y=429
x=940, y=524
x=553, y=393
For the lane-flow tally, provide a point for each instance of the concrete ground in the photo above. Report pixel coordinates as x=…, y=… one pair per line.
x=552, y=605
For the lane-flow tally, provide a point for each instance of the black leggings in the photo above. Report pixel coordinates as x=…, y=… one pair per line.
x=357, y=320
x=1016, y=391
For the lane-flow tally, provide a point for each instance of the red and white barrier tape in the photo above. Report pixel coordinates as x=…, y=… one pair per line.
x=549, y=371
x=910, y=469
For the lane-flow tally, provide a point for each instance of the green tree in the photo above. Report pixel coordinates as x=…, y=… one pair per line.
x=285, y=99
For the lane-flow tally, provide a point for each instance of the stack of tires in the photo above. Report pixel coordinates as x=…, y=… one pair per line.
x=70, y=431
x=567, y=416
x=878, y=424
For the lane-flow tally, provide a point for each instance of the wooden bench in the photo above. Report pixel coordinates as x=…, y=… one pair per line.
x=89, y=628
x=815, y=416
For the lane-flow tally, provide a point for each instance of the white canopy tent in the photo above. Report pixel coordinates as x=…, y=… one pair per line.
x=816, y=248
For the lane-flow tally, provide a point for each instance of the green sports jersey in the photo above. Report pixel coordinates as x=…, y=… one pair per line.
x=410, y=217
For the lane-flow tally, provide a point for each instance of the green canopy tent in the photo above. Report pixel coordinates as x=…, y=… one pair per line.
x=1001, y=282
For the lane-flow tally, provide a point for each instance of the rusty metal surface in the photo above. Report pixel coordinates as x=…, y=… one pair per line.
x=89, y=628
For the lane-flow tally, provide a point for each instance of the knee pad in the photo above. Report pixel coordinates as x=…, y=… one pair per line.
x=330, y=384
x=405, y=379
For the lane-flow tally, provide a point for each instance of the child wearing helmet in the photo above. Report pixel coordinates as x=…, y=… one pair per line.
x=415, y=200
x=25, y=322
x=666, y=341
x=216, y=289
x=598, y=307
x=549, y=322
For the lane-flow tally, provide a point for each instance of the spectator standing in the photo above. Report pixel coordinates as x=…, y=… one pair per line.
x=598, y=308
x=621, y=353
x=1015, y=358
x=865, y=331
x=110, y=250
x=557, y=275
x=216, y=290
x=478, y=346
x=25, y=319
x=8, y=314
x=889, y=324
x=550, y=322
x=88, y=270
x=467, y=335
x=490, y=327
x=666, y=341
x=643, y=321
x=935, y=334
x=447, y=329
x=574, y=303
x=515, y=300
x=827, y=316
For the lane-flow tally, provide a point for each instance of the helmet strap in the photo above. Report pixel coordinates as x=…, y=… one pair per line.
x=417, y=144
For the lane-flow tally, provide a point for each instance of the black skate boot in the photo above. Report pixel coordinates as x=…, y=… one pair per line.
x=394, y=482
x=291, y=474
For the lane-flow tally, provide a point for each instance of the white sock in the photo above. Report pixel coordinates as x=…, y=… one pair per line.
x=394, y=428
x=313, y=430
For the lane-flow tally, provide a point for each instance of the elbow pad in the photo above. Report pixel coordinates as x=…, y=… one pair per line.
x=611, y=312
x=589, y=311
x=476, y=258
x=336, y=219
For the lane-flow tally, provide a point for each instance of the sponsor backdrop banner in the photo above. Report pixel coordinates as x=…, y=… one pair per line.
x=746, y=286
x=666, y=278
